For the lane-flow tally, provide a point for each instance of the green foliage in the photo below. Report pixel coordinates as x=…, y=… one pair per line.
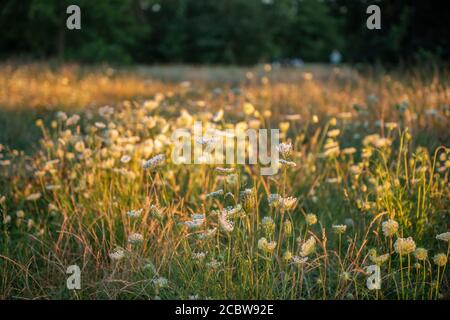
x=110, y=31
x=315, y=29
x=230, y=32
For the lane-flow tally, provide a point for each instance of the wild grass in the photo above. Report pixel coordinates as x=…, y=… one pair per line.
x=371, y=170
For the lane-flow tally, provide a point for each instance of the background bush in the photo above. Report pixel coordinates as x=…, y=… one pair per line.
x=225, y=32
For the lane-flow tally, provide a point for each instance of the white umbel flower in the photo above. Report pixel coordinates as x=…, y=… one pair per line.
x=339, y=228
x=308, y=247
x=296, y=260
x=134, y=213
x=440, y=259
x=34, y=196
x=117, y=254
x=135, y=238
x=443, y=236
x=389, y=227
x=266, y=246
x=285, y=149
x=225, y=223
x=196, y=221
x=125, y=159
x=154, y=162
x=404, y=246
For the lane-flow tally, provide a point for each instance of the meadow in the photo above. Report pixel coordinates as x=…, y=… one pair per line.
x=86, y=179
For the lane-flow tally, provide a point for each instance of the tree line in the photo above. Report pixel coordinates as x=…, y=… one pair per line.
x=224, y=31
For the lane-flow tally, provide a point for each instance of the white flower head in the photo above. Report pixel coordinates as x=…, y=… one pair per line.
x=134, y=213
x=160, y=282
x=34, y=196
x=196, y=221
x=273, y=199
x=443, y=236
x=154, y=162
x=214, y=264
x=285, y=149
x=207, y=234
x=266, y=246
x=404, y=246
x=308, y=247
x=339, y=228
x=117, y=254
x=389, y=227
x=287, y=203
x=214, y=194
x=311, y=219
x=135, y=238
x=125, y=159
x=296, y=260
x=225, y=223
x=286, y=163
x=199, y=256
x=231, y=212
x=440, y=259
x=421, y=254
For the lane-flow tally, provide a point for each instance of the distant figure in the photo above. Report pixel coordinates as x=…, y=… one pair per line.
x=297, y=62
x=335, y=57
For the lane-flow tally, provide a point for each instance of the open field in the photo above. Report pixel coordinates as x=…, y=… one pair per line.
x=364, y=181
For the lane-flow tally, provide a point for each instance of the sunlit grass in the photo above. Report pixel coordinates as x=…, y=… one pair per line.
x=369, y=186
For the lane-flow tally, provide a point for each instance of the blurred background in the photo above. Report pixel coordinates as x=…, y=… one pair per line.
x=241, y=32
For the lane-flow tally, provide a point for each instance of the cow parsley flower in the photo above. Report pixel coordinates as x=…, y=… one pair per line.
x=207, y=141
x=285, y=149
x=339, y=228
x=199, y=256
x=308, y=247
x=135, y=238
x=404, y=246
x=273, y=199
x=249, y=199
x=378, y=260
x=100, y=125
x=160, y=282
x=266, y=246
x=125, y=159
x=117, y=254
x=286, y=163
x=277, y=201
x=222, y=170
x=215, y=193
x=440, y=259
x=214, y=264
x=443, y=236
x=134, y=213
x=389, y=227
x=311, y=219
x=196, y=221
x=333, y=133
x=268, y=225
x=296, y=260
x=287, y=256
x=288, y=203
x=421, y=254
x=225, y=223
x=72, y=120
x=154, y=162
x=34, y=196
x=207, y=234
x=232, y=211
